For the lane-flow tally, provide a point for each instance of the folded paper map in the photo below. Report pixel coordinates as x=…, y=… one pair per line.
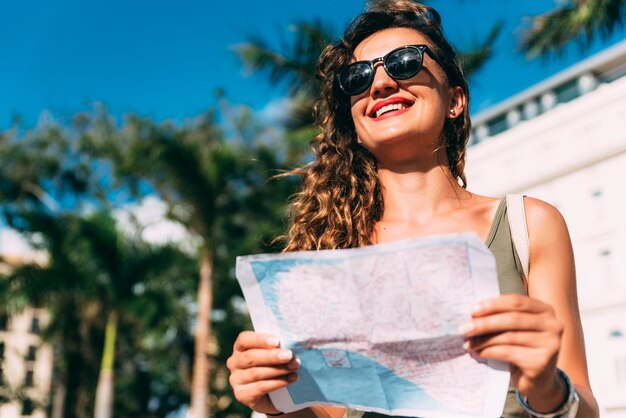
x=376, y=328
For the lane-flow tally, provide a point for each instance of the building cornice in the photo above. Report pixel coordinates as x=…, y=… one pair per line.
x=606, y=65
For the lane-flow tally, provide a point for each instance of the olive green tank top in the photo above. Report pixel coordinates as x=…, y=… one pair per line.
x=509, y=270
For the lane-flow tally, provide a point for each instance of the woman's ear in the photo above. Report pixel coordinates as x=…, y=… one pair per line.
x=457, y=102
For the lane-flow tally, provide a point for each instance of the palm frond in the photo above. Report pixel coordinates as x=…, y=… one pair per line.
x=477, y=56
x=580, y=20
x=295, y=62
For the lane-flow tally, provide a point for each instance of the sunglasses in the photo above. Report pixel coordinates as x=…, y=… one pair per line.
x=401, y=64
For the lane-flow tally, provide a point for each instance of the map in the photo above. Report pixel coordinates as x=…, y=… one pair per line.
x=376, y=328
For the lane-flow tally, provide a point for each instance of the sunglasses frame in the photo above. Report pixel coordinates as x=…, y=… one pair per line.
x=371, y=63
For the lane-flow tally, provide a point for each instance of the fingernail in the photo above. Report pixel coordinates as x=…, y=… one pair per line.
x=466, y=327
x=285, y=355
x=272, y=341
x=477, y=308
x=466, y=345
x=292, y=377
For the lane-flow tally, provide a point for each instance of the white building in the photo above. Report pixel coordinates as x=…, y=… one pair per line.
x=25, y=365
x=564, y=141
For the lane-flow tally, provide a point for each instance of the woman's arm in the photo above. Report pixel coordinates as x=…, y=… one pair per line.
x=535, y=334
x=552, y=279
x=259, y=366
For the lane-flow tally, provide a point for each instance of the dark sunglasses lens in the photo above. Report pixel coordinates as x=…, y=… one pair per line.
x=404, y=63
x=356, y=78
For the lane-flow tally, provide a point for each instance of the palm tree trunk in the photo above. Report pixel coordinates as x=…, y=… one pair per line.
x=199, y=407
x=104, y=391
x=58, y=397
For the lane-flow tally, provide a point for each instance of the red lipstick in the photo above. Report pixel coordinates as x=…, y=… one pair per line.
x=390, y=101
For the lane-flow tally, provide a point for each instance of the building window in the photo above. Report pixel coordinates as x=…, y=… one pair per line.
x=31, y=355
x=4, y=322
x=27, y=407
x=34, y=325
x=618, y=343
x=29, y=380
x=598, y=203
x=567, y=91
x=2, y=351
x=497, y=125
x=1, y=377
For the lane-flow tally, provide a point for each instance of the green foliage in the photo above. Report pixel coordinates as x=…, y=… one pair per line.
x=581, y=20
x=59, y=186
x=475, y=58
x=93, y=268
x=295, y=63
x=219, y=189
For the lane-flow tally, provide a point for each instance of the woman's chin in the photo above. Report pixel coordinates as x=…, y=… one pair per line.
x=394, y=137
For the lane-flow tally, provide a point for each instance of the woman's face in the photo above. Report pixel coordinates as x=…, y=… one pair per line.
x=421, y=103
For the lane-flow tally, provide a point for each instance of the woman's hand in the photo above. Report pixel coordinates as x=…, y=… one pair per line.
x=259, y=366
x=526, y=333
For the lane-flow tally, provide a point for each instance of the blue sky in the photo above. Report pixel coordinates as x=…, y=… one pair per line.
x=165, y=59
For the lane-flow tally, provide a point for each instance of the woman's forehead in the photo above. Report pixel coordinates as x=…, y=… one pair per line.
x=381, y=42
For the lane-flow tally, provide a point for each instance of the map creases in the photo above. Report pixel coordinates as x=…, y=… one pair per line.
x=376, y=328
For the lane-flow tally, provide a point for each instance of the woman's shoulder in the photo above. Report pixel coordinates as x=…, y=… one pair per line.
x=544, y=221
x=550, y=243
x=543, y=217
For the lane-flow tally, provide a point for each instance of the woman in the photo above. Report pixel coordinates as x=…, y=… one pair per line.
x=389, y=166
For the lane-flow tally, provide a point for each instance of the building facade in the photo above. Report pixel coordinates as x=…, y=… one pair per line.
x=25, y=365
x=564, y=141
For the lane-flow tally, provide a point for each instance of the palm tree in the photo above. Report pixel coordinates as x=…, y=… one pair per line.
x=40, y=169
x=195, y=173
x=121, y=262
x=583, y=20
x=62, y=289
x=294, y=65
x=92, y=273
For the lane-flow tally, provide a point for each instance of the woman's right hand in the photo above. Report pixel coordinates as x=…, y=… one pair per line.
x=259, y=366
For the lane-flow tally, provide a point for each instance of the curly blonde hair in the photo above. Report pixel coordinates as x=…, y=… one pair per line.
x=341, y=200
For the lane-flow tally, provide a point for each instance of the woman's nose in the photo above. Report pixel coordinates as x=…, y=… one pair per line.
x=382, y=81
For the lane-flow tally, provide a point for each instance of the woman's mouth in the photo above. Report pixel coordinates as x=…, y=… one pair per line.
x=390, y=108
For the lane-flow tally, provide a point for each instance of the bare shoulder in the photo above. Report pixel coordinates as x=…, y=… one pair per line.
x=551, y=254
x=541, y=211
x=545, y=222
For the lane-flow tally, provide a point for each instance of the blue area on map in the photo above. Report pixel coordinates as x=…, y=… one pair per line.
x=358, y=385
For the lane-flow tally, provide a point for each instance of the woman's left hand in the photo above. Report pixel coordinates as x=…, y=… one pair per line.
x=522, y=331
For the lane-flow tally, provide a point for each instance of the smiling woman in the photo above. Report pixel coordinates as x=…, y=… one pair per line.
x=420, y=107
x=394, y=116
